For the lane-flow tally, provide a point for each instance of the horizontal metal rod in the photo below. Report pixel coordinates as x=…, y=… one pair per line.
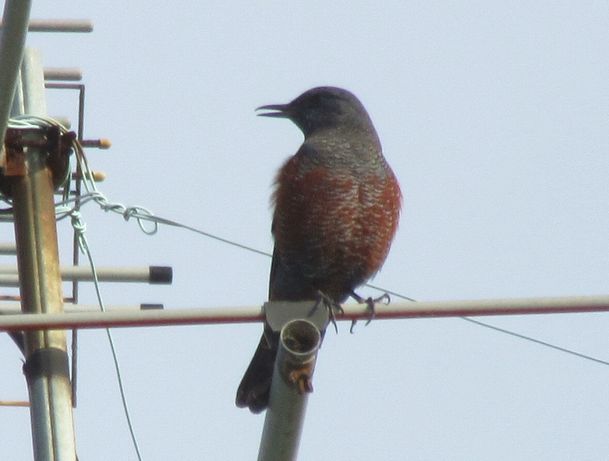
x=72, y=74
x=15, y=308
x=64, y=86
x=8, y=248
x=483, y=307
x=14, y=403
x=200, y=316
x=126, y=318
x=59, y=25
x=145, y=274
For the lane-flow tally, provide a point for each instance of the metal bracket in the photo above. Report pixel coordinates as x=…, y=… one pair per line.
x=278, y=313
x=56, y=144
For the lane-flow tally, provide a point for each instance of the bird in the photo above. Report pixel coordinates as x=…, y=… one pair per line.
x=337, y=205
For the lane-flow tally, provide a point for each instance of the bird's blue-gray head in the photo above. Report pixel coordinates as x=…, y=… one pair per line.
x=322, y=108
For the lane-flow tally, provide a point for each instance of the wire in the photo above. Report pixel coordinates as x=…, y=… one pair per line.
x=139, y=213
x=536, y=341
x=394, y=293
x=80, y=228
x=513, y=333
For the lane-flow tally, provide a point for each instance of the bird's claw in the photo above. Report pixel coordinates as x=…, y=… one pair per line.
x=370, y=307
x=332, y=306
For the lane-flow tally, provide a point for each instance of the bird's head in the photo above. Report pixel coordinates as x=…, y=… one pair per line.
x=321, y=108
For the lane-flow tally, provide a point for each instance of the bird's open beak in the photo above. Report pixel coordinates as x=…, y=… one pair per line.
x=280, y=110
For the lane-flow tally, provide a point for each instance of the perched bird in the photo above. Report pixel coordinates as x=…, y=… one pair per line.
x=337, y=205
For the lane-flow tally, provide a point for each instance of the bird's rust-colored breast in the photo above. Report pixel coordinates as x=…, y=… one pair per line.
x=332, y=226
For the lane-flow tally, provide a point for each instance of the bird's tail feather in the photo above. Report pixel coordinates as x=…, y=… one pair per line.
x=255, y=387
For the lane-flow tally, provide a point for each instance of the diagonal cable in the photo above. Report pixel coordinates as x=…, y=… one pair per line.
x=513, y=333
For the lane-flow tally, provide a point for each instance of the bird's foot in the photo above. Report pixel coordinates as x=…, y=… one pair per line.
x=332, y=306
x=370, y=306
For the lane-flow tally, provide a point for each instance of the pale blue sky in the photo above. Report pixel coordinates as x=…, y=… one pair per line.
x=495, y=118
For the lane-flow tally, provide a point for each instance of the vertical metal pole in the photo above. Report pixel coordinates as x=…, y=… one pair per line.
x=299, y=342
x=46, y=365
x=75, y=241
x=12, y=40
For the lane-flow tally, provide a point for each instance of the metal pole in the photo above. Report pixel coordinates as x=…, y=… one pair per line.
x=121, y=318
x=7, y=249
x=60, y=25
x=56, y=25
x=12, y=41
x=299, y=342
x=63, y=74
x=71, y=308
x=46, y=366
x=154, y=275
x=226, y=315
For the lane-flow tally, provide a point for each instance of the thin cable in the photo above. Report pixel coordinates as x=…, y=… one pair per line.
x=514, y=334
x=536, y=341
x=169, y=222
x=141, y=214
x=394, y=293
x=80, y=227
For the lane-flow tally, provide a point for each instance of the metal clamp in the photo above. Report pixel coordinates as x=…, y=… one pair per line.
x=52, y=142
